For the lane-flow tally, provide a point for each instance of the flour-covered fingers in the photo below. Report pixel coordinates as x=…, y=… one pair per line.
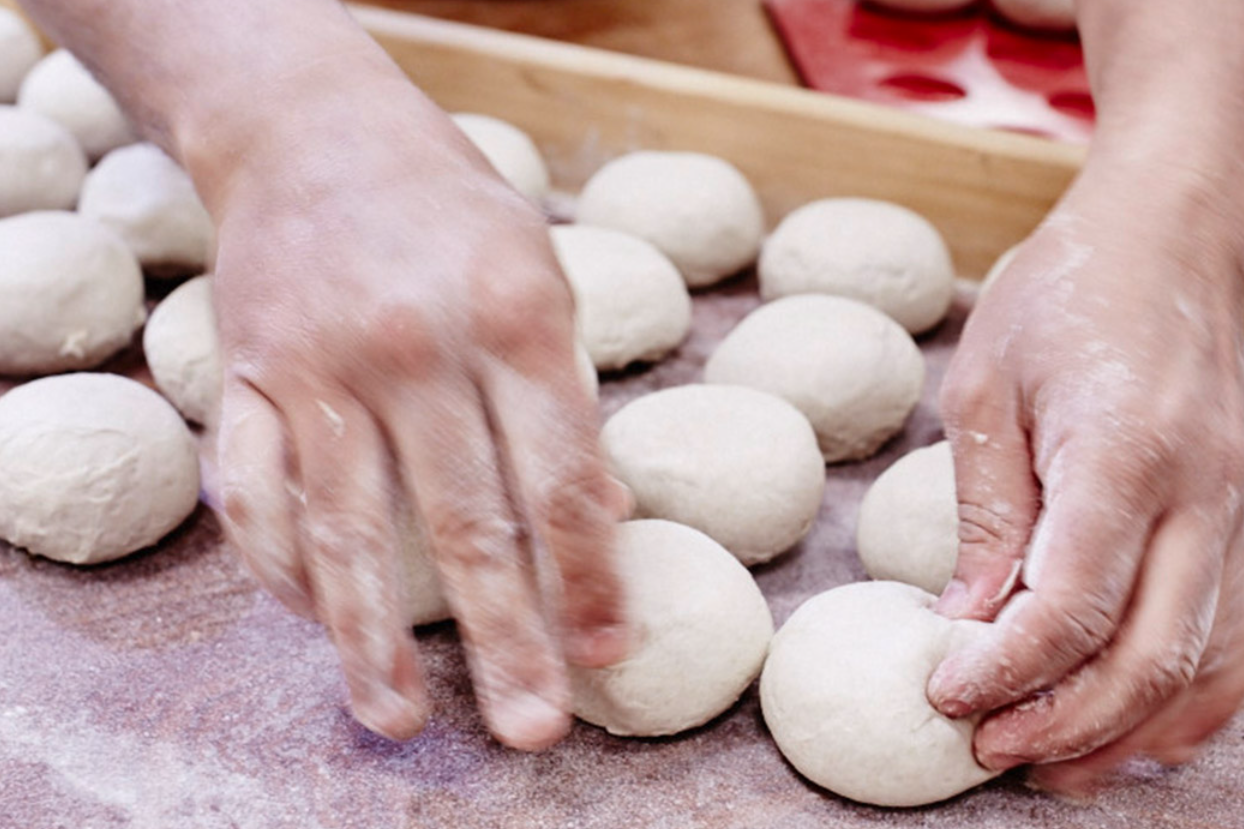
x=549, y=429
x=349, y=538
x=1081, y=570
x=452, y=471
x=259, y=494
x=1153, y=658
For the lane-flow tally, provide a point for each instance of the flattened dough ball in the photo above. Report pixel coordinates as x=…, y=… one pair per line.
x=183, y=351
x=41, y=165
x=150, y=202
x=702, y=631
x=96, y=466
x=61, y=88
x=843, y=693
x=19, y=50
x=854, y=372
x=737, y=464
x=874, y=251
x=509, y=150
x=71, y=293
x=909, y=521
x=631, y=303
x=697, y=209
x=1054, y=15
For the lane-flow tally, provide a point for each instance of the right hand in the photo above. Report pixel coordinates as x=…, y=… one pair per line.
x=397, y=335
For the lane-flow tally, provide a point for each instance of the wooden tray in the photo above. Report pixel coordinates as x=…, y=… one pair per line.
x=168, y=690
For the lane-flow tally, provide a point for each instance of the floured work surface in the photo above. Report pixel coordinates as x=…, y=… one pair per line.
x=167, y=690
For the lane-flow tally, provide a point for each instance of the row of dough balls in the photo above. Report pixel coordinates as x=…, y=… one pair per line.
x=1052, y=15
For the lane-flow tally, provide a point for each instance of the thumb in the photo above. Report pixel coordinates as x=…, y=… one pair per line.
x=997, y=492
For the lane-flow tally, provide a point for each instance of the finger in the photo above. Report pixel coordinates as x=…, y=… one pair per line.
x=349, y=536
x=549, y=428
x=450, y=466
x=256, y=492
x=1153, y=658
x=1081, y=568
x=997, y=493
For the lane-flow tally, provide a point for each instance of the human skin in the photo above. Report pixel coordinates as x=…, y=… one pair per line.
x=397, y=337
x=1095, y=408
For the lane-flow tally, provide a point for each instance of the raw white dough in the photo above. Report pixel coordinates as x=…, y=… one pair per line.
x=71, y=293
x=41, y=165
x=96, y=466
x=425, y=600
x=509, y=150
x=737, y=464
x=630, y=302
x=1055, y=15
x=19, y=50
x=873, y=251
x=909, y=521
x=925, y=5
x=183, y=351
x=843, y=693
x=64, y=90
x=853, y=371
x=697, y=209
x=702, y=629
x=150, y=202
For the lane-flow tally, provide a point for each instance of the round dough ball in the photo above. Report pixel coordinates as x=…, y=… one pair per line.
x=71, y=293
x=19, y=50
x=737, y=464
x=41, y=165
x=96, y=466
x=843, y=693
x=425, y=599
x=853, y=371
x=873, y=251
x=927, y=6
x=509, y=150
x=702, y=628
x=183, y=351
x=909, y=521
x=697, y=209
x=150, y=202
x=1053, y=15
x=631, y=303
x=64, y=90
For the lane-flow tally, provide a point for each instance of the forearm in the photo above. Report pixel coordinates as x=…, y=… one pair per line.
x=199, y=78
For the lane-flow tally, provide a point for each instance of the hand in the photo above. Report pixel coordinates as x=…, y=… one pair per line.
x=1096, y=412
x=397, y=335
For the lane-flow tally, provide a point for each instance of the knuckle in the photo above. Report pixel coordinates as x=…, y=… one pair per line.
x=576, y=501
x=970, y=388
x=520, y=312
x=1085, y=626
x=473, y=539
x=340, y=539
x=401, y=338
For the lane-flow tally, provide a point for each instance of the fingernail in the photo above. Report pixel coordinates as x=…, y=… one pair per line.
x=529, y=722
x=954, y=600
x=599, y=646
x=948, y=696
x=1000, y=762
x=386, y=712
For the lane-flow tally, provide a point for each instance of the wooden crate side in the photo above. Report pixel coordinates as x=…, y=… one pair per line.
x=985, y=190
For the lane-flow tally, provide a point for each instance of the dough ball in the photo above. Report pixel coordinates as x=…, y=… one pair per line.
x=737, y=464
x=19, y=50
x=631, y=303
x=702, y=630
x=697, y=209
x=925, y=5
x=1054, y=15
x=96, y=466
x=41, y=165
x=873, y=251
x=183, y=351
x=509, y=150
x=150, y=202
x=999, y=267
x=909, y=521
x=843, y=693
x=71, y=293
x=853, y=371
x=64, y=90
x=425, y=600
x=587, y=370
